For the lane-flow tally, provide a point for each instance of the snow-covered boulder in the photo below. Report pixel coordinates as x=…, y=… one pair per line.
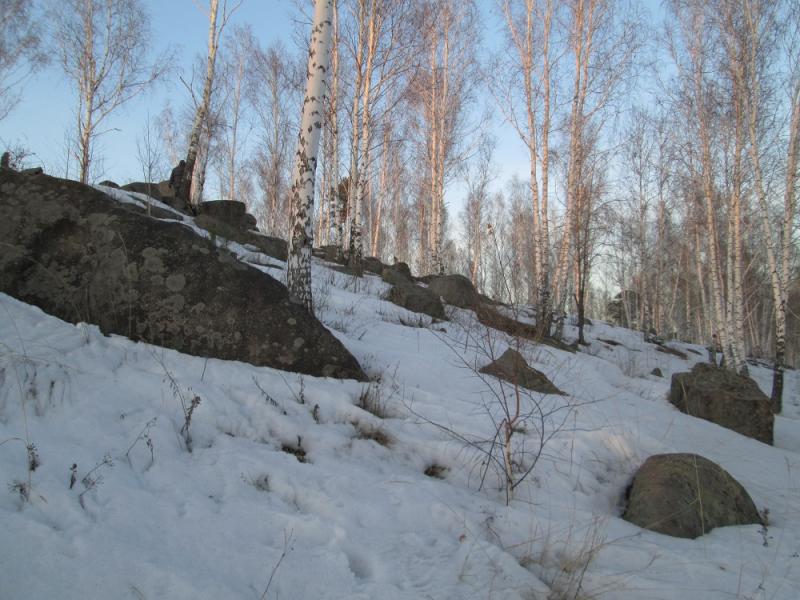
x=81, y=256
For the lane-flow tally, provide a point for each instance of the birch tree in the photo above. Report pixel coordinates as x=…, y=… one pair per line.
x=714, y=101
x=271, y=94
x=20, y=49
x=756, y=47
x=369, y=19
x=235, y=124
x=334, y=219
x=298, y=264
x=528, y=108
x=589, y=43
x=216, y=24
x=602, y=46
x=102, y=46
x=442, y=89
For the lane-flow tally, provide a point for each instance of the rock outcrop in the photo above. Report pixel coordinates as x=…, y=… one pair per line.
x=416, y=299
x=77, y=254
x=454, y=289
x=230, y=212
x=271, y=246
x=725, y=398
x=686, y=495
x=511, y=367
x=141, y=187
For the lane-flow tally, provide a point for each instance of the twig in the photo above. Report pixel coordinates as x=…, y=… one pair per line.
x=287, y=540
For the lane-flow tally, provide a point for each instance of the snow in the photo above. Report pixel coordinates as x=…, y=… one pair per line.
x=242, y=517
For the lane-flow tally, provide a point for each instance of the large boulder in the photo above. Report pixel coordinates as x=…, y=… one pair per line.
x=725, y=398
x=455, y=289
x=416, y=299
x=329, y=252
x=511, y=367
x=395, y=277
x=80, y=256
x=686, y=495
x=141, y=187
x=372, y=265
x=230, y=212
x=403, y=269
x=490, y=317
x=271, y=246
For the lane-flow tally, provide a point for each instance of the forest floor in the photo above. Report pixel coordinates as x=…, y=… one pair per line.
x=304, y=487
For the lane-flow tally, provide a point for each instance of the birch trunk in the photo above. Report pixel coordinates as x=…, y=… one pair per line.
x=201, y=114
x=376, y=230
x=298, y=264
x=543, y=241
x=440, y=126
x=336, y=204
x=778, y=259
x=355, y=137
x=581, y=48
x=356, y=231
x=719, y=330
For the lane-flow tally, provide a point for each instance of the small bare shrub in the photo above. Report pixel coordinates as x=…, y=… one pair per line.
x=287, y=548
x=94, y=478
x=144, y=436
x=370, y=432
x=188, y=405
x=370, y=400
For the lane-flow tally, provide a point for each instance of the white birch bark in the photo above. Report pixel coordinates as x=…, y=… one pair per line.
x=298, y=264
x=778, y=251
x=355, y=137
x=201, y=113
x=336, y=205
x=356, y=232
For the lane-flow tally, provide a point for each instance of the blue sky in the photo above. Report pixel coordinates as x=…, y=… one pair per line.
x=41, y=120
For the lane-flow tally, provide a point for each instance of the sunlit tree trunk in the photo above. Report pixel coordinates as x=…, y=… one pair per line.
x=355, y=133
x=758, y=23
x=201, y=113
x=298, y=264
x=356, y=232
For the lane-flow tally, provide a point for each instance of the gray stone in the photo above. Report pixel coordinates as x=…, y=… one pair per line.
x=511, y=367
x=80, y=256
x=140, y=187
x=489, y=316
x=372, y=264
x=725, y=398
x=403, y=269
x=656, y=372
x=416, y=299
x=271, y=246
x=686, y=495
x=231, y=212
x=165, y=189
x=395, y=277
x=109, y=183
x=455, y=289
x=328, y=252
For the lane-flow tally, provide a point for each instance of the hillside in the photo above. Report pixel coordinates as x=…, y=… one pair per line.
x=307, y=487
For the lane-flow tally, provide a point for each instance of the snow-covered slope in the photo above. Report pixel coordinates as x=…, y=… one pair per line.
x=293, y=490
